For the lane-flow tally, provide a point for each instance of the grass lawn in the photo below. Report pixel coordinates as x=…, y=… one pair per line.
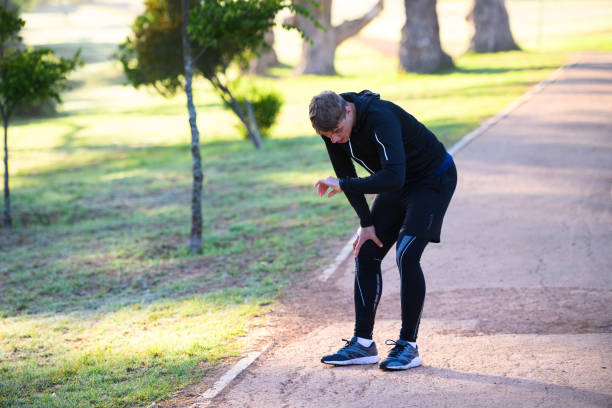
x=100, y=303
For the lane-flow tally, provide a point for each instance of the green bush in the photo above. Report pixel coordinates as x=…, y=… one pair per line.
x=266, y=107
x=36, y=109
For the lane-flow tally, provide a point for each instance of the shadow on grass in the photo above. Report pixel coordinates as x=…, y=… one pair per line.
x=114, y=229
x=90, y=52
x=160, y=110
x=499, y=70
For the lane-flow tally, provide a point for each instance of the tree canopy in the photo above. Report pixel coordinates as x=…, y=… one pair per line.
x=221, y=32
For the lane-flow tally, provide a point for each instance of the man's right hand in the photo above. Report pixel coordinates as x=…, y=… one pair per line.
x=364, y=234
x=332, y=183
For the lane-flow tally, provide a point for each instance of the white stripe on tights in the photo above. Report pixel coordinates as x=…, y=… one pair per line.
x=401, y=257
x=357, y=278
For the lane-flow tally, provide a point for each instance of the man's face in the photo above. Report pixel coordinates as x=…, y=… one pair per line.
x=342, y=131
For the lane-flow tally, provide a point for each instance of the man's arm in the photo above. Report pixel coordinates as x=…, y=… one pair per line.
x=343, y=167
x=392, y=175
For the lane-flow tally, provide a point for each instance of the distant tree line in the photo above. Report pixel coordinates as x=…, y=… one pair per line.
x=420, y=50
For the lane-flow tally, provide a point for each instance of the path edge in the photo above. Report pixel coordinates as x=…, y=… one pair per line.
x=204, y=399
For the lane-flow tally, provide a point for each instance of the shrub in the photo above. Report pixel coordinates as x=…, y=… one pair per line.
x=266, y=107
x=36, y=109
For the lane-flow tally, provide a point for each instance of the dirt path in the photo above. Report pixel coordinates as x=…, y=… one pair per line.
x=518, y=310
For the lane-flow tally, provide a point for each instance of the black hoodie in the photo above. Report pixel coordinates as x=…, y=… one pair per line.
x=394, y=147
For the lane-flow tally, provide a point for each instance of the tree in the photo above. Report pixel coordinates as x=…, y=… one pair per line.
x=491, y=27
x=39, y=108
x=318, y=55
x=220, y=32
x=420, y=50
x=195, y=237
x=26, y=76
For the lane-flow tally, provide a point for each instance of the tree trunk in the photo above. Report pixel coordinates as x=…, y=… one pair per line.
x=252, y=121
x=268, y=58
x=420, y=50
x=491, y=27
x=5, y=110
x=8, y=222
x=229, y=99
x=318, y=58
x=195, y=238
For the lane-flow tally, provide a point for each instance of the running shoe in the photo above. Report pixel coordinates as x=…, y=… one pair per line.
x=353, y=353
x=401, y=357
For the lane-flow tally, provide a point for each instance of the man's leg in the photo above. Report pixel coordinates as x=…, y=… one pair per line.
x=388, y=214
x=408, y=257
x=368, y=287
x=425, y=204
x=410, y=245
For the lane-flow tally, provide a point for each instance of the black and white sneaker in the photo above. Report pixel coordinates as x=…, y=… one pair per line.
x=353, y=353
x=401, y=357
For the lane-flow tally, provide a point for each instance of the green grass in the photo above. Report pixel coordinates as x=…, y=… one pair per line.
x=123, y=357
x=101, y=304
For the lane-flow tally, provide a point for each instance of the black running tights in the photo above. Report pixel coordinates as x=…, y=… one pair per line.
x=410, y=217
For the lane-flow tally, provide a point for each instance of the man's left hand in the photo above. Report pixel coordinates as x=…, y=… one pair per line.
x=331, y=183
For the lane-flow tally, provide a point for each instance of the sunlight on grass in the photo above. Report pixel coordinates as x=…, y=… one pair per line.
x=155, y=347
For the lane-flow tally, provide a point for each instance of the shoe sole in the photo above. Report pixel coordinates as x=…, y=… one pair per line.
x=359, y=360
x=414, y=363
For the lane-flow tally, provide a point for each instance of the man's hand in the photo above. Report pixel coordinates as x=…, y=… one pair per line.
x=331, y=183
x=363, y=235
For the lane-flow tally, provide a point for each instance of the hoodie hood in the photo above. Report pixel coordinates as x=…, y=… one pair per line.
x=361, y=100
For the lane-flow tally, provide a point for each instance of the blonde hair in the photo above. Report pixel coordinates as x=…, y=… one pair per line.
x=326, y=110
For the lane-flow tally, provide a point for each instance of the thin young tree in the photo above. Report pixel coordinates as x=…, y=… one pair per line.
x=26, y=76
x=173, y=42
x=491, y=27
x=195, y=237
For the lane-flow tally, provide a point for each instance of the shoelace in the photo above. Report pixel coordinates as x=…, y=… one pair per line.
x=348, y=343
x=397, y=349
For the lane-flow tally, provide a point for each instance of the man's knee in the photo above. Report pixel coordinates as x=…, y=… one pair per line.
x=406, y=250
x=370, y=252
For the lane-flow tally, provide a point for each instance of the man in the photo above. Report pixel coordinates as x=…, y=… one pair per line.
x=414, y=178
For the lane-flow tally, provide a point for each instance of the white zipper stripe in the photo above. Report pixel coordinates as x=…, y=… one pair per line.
x=354, y=157
x=383, y=146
